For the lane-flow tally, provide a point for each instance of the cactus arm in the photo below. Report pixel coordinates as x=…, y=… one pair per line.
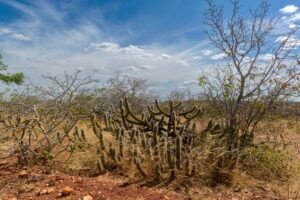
x=188, y=111
x=160, y=110
x=192, y=116
x=129, y=111
x=152, y=111
x=178, y=105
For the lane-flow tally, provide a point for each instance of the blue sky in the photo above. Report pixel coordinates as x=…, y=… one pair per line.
x=160, y=40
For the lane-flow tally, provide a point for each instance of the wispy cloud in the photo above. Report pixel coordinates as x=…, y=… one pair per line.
x=17, y=36
x=20, y=36
x=19, y=6
x=192, y=82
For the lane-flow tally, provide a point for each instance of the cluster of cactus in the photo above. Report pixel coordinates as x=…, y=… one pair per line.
x=160, y=143
x=79, y=137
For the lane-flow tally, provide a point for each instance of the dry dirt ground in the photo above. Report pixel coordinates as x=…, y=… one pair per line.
x=37, y=182
x=41, y=183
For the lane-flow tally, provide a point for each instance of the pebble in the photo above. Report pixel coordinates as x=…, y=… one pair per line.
x=88, y=197
x=66, y=191
x=23, y=174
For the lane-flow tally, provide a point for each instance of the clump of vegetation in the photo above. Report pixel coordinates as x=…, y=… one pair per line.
x=266, y=163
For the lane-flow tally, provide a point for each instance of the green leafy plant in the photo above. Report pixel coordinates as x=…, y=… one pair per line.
x=48, y=155
x=17, y=78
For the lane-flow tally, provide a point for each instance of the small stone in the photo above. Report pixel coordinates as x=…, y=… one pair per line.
x=43, y=192
x=67, y=191
x=50, y=190
x=3, y=162
x=79, y=180
x=88, y=197
x=23, y=174
x=59, y=195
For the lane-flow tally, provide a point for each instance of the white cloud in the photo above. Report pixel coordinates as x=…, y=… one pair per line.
x=218, y=56
x=147, y=67
x=293, y=26
x=146, y=55
x=14, y=35
x=105, y=46
x=132, y=68
x=289, y=9
x=266, y=57
x=22, y=37
x=192, y=82
x=110, y=47
x=131, y=49
x=290, y=42
x=295, y=17
x=80, y=69
x=206, y=52
x=4, y=31
x=182, y=62
x=196, y=57
x=164, y=56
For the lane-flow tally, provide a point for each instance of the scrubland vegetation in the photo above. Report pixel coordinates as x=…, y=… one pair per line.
x=241, y=131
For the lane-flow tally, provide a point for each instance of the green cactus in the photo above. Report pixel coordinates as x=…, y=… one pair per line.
x=101, y=163
x=100, y=138
x=76, y=134
x=112, y=152
x=187, y=165
x=121, y=146
x=178, y=152
x=59, y=137
x=158, y=172
x=83, y=136
x=137, y=162
x=143, y=140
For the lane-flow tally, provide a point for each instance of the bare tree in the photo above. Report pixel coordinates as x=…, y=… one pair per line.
x=259, y=67
x=180, y=94
x=119, y=87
